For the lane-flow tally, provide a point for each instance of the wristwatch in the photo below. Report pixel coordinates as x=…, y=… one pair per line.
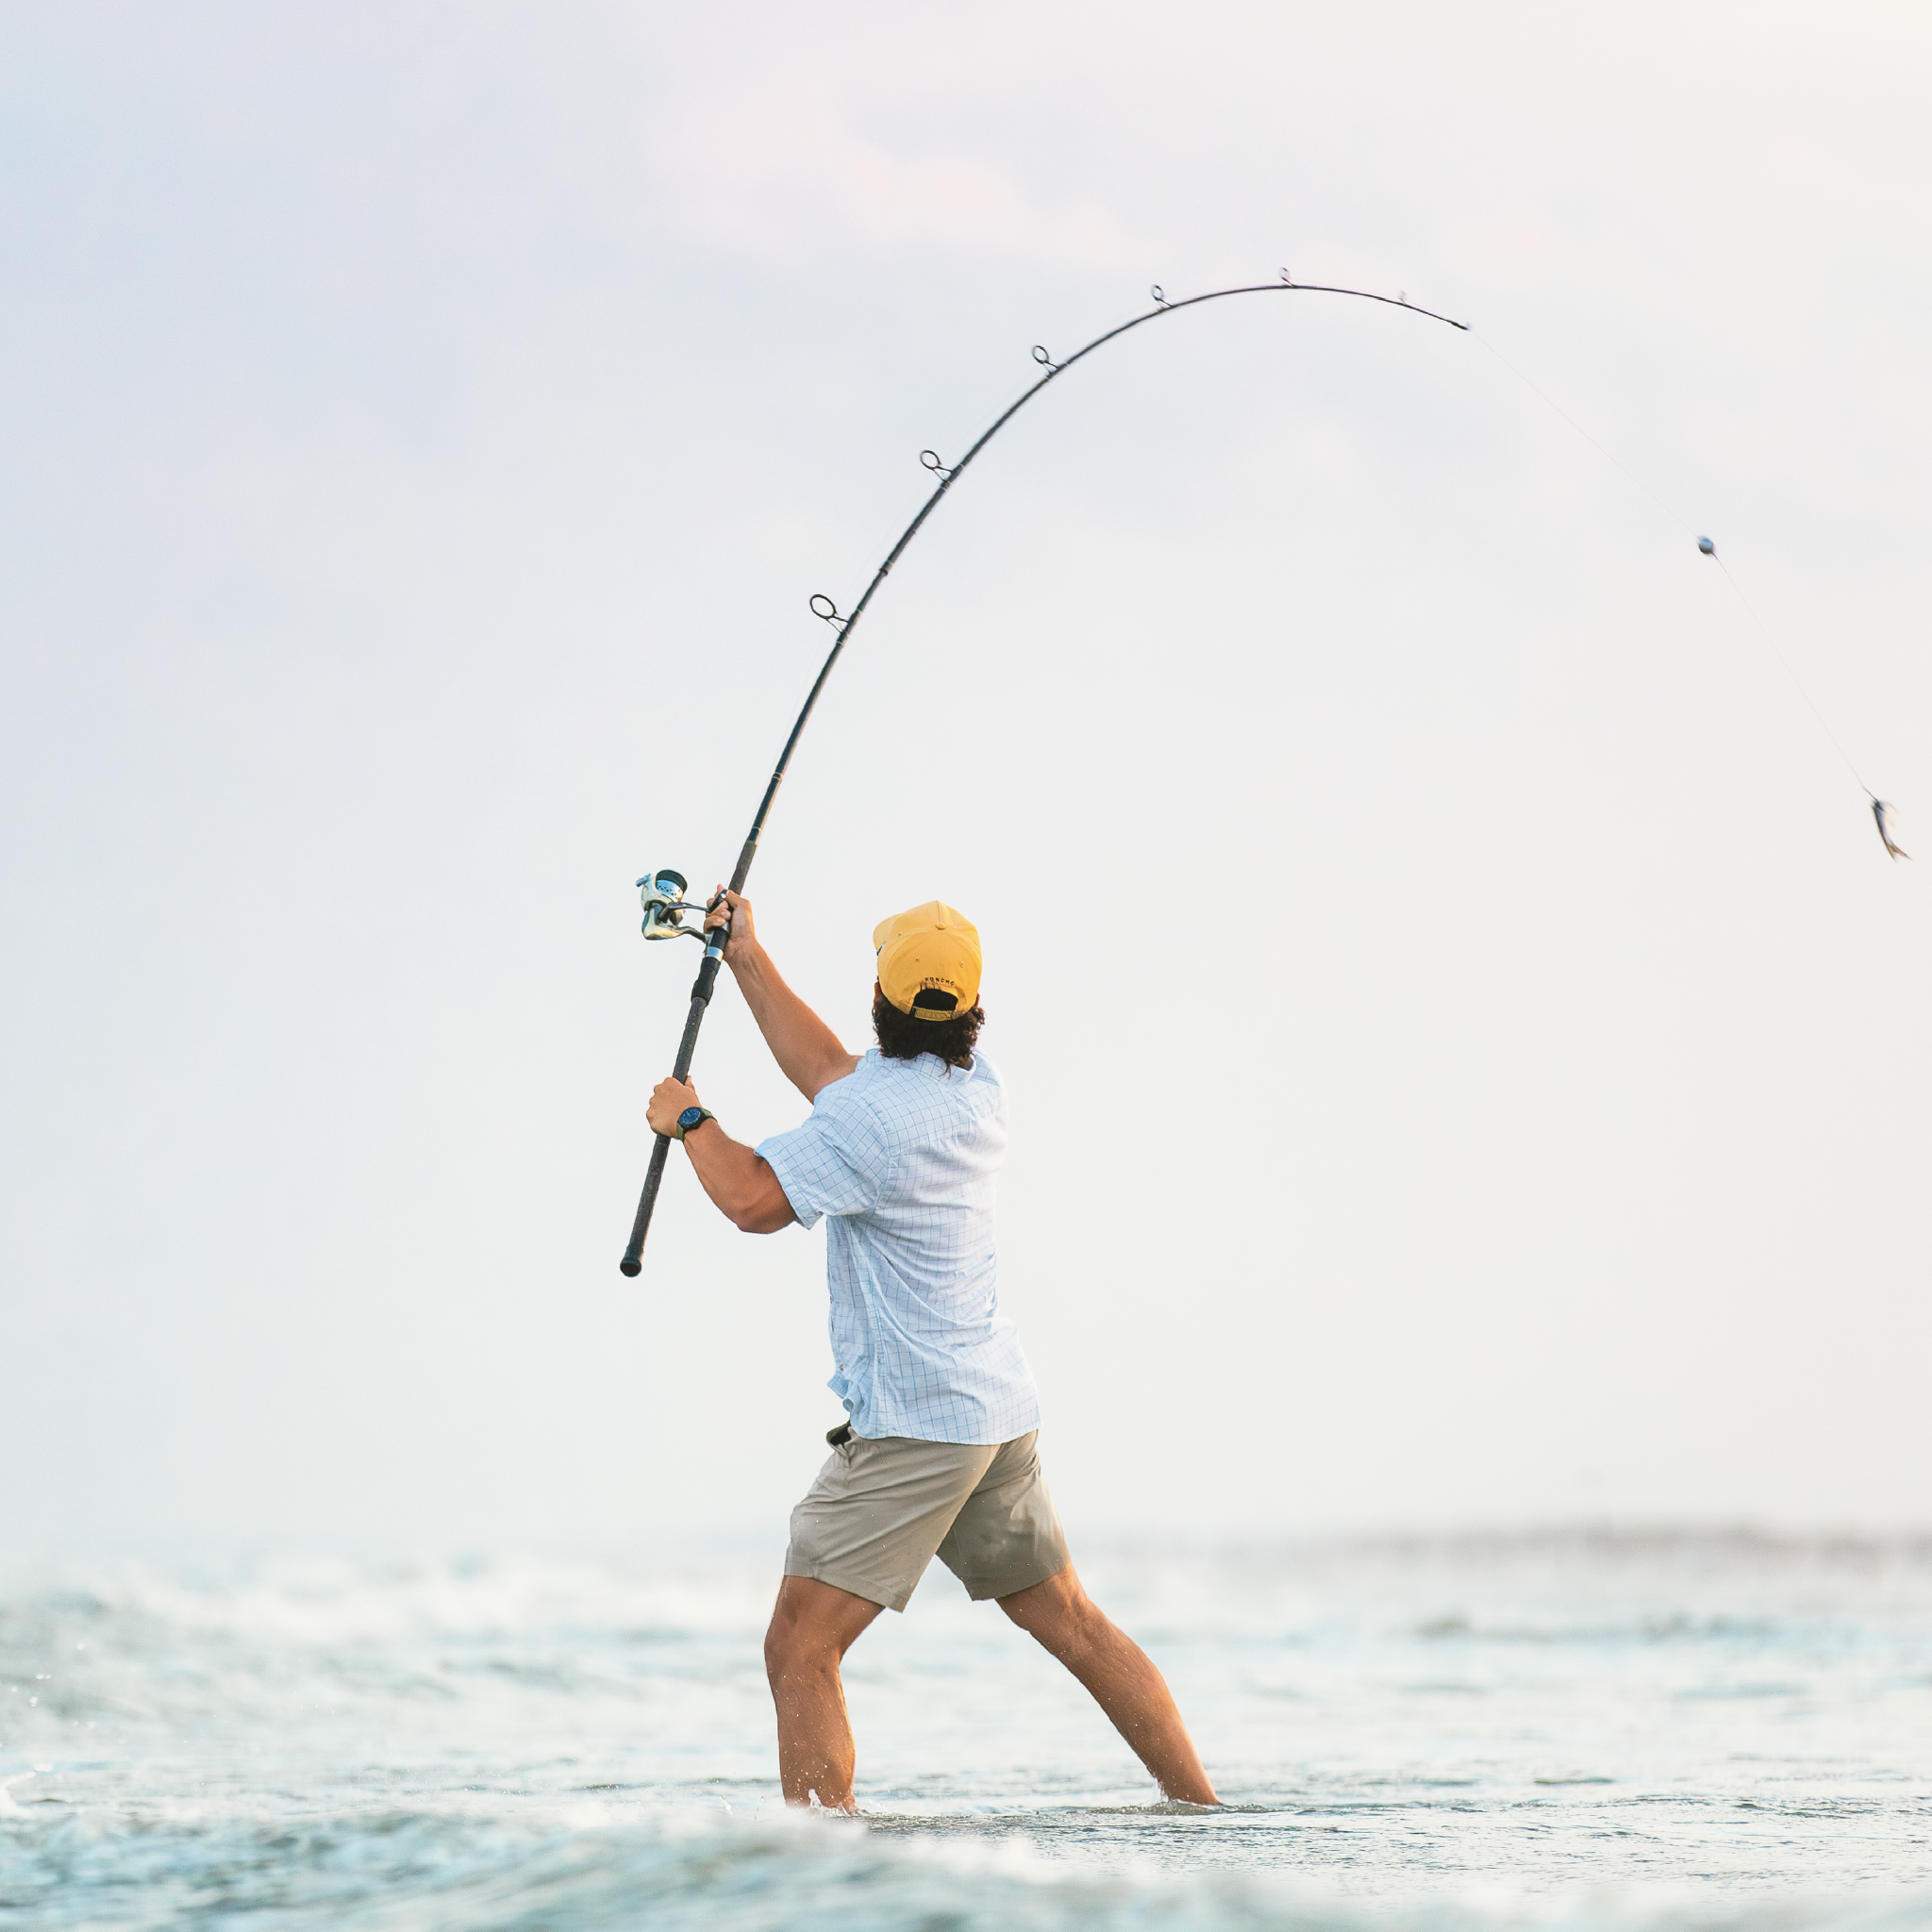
x=693, y=1117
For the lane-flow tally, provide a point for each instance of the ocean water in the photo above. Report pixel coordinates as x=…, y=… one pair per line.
x=1564, y=1730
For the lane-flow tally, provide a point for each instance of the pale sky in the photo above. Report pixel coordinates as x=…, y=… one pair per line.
x=1468, y=1050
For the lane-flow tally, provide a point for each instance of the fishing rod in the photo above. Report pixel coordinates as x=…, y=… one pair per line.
x=662, y=891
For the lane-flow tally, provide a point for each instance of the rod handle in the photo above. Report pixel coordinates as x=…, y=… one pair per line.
x=694, y=1017
x=654, y=1176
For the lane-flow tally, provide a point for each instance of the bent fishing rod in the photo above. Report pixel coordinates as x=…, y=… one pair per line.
x=663, y=891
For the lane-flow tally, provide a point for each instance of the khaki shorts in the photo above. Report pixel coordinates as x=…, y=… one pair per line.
x=881, y=1510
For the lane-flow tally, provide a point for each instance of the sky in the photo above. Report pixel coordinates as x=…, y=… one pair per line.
x=1466, y=1046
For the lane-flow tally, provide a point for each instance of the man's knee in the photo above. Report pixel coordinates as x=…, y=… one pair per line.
x=813, y=1624
x=793, y=1647
x=779, y=1638
x=1059, y=1613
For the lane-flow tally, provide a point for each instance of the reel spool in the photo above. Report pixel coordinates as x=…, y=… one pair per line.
x=665, y=906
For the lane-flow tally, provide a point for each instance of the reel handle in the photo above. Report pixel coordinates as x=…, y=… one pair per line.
x=654, y=1174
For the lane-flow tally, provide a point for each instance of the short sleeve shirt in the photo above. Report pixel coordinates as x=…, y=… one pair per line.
x=900, y=1158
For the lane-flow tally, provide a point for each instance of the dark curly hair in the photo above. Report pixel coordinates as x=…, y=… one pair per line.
x=906, y=1036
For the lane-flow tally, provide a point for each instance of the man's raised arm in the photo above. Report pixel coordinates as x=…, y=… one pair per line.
x=807, y=1051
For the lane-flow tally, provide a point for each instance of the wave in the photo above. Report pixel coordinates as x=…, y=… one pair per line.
x=398, y=1870
x=513, y=1741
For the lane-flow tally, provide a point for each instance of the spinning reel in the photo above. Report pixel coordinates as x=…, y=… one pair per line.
x=665, y=906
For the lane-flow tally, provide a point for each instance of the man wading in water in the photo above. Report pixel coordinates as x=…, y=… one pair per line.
x=937, y=1455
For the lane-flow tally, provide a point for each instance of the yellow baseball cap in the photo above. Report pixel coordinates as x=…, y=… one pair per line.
x=933, y=951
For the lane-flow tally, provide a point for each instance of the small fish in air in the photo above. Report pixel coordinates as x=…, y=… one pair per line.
x=1882, y=812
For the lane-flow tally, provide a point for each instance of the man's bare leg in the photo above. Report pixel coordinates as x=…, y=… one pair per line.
x=1060, y=1616
x=813, y=1626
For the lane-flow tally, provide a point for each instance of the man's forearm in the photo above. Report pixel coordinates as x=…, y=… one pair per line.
x=742, y=1186
x=808, y=1053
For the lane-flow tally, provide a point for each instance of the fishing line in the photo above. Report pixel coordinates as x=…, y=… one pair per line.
x=1764, y=631
x=1880, y=809
x=1545, y=397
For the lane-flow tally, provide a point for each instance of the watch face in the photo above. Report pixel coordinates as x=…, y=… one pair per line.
x=689, y=1118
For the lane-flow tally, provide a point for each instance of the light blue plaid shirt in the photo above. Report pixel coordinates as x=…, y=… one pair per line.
x=902, y=1155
